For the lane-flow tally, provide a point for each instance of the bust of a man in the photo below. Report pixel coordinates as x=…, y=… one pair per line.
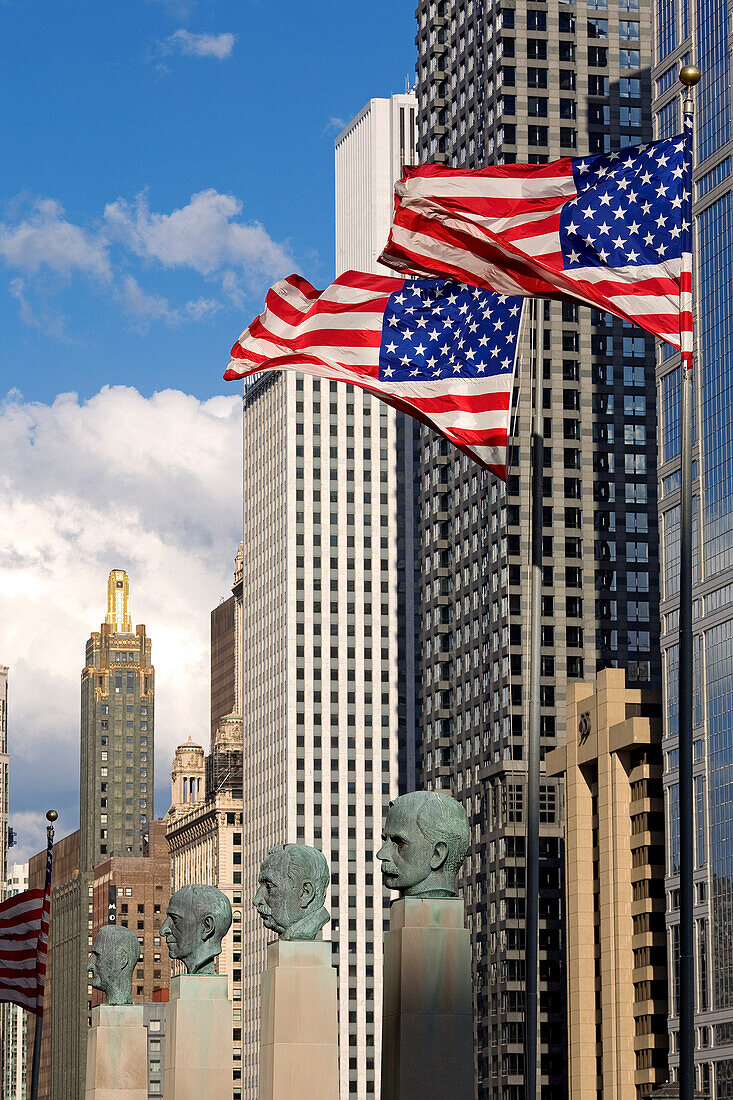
x=291, y=891
x=424, y=843
x=112, y=961
x=197, y=920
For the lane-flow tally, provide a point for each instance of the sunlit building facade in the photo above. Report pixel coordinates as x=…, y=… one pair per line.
x=700, y=34
x=498, y=83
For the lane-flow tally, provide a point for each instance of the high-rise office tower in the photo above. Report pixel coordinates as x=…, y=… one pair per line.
x=370, y=153
x=700, y=34
x=328, y=686
x=533, y=80
x=116, y=807
x=117, y=703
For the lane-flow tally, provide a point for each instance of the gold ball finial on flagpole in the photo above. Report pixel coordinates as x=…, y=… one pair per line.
x=690, y=75
x=51, y=815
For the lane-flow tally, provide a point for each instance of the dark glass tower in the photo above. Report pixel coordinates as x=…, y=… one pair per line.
x=117, y=722
x=527, y=80
x=700, y=34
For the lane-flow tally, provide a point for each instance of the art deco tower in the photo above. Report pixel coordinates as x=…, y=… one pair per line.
x=117, y=701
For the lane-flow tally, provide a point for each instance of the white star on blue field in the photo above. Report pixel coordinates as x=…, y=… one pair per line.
x=436, y=329
x=626, y=213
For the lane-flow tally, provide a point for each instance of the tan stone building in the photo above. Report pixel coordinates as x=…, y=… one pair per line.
x=204, y=823
x=204, y=834
x=614, y=844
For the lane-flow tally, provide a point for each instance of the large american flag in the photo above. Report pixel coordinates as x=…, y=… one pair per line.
x=607, y=230
x=24, y=944
x=435, y=349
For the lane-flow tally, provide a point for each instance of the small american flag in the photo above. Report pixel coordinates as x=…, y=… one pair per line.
x=24, y=944
x=437, y=350
x=607, y=230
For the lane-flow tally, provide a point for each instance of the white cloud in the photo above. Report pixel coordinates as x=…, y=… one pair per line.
x=46, y=239
x=152, y=307
x=148, y=485
x=204, y=235
x=219, y=46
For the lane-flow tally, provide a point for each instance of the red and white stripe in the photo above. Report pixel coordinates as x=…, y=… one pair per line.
x=499, y=228
x=336, y=333
x=23, y=949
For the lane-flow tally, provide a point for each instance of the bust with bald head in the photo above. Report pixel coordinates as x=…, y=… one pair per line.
x=291, y=891
x=112, y=961
x=197, y=920
x=424, y=842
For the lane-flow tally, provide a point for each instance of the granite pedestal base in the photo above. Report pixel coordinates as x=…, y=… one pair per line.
x=299, y=1023
x=427, y=1028
x=198, y=1039
x=117, y=1054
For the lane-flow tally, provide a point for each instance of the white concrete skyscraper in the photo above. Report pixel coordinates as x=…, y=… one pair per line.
x=370, y=153
x=328, y=643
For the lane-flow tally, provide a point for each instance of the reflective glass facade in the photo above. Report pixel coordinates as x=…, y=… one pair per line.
x=704, y=43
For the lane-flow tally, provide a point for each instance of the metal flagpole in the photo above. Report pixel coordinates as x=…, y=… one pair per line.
x=532, y=883
x=689, y=76
x=35, y=1068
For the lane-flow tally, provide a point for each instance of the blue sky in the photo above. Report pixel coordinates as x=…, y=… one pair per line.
x=115, y=116
x=162, y=164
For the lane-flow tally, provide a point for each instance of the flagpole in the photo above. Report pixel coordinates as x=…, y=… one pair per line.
x=532, y=883
x=51, y=816
x=689, y=76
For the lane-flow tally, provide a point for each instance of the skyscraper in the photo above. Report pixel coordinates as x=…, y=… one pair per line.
x=532, y=81
x=369, y=156
x=700, y=35
x=116, y=806
x=328, y=687
x=117, y=721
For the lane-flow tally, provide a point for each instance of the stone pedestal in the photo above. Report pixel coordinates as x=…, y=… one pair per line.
x=299, y=1023
x=198, y=1039
x=117, y=1054
x=427, y=1029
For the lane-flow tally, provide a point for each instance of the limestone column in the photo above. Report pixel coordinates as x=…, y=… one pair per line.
x=117, y=1054
x=427, y=1029
x=198, y=1039
x=299, y=1023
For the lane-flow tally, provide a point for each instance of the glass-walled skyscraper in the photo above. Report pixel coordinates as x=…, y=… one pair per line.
x=701, y=34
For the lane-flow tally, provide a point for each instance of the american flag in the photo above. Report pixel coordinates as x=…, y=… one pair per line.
x=607, y=230
x=435, y=349
x=24, y=944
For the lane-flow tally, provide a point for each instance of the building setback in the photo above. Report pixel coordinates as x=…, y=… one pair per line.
x=611, y=765
x=700, y=35
x=533, y=80
x=117, y=704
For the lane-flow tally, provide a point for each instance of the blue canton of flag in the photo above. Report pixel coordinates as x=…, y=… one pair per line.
x=445, y=330
x=627, y=210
